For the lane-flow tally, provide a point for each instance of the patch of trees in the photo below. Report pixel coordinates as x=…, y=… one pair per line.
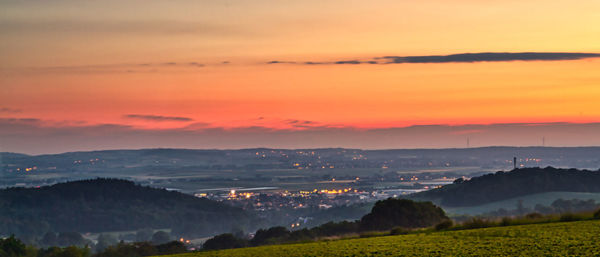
x=559, y=206
x=385, y=215
x=64, y=239
x=402, y=213
x=101, y=205
x=140, y=249
x=13, y=247
x=505, y=185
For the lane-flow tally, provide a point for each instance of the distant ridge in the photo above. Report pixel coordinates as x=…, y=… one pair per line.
x=505, y=185
x=149, y=151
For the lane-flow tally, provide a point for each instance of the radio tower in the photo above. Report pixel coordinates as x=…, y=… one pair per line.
x=543, y=141
x=468, y=144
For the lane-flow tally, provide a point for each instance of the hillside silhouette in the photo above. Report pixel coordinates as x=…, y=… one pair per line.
x=505, y=185
x=112, y=205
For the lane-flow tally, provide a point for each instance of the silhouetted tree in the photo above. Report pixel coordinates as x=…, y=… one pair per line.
x=49, y=239
x=104, y=241
x=271, y=235
x=71, y=239
x=172, y=247
x=224, y=241
x=144, y=235
x=12, y=247
x=390, y=213
x=161, y=237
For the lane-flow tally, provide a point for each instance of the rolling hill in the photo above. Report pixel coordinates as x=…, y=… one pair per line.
x=506, y=185
x=100, y=205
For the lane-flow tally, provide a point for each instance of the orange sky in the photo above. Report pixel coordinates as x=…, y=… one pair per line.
x=203, y=64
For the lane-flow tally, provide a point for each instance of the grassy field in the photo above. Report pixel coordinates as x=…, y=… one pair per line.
x=580, y=238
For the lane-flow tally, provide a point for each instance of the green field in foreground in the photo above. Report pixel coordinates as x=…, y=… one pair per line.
x=580, y=238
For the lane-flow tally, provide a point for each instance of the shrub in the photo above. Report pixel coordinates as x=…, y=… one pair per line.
x=506, y=221
x=224, y=241
x=272, y=235
x=399, y=231
x=12, y=247
x=597, y=214
x=446, y=224
x=534, y=215
x=477, y=223
x=569, y=217
x=370, y=234
x=172, y=247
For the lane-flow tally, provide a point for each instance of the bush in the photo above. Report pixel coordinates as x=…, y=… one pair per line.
x=224, y=241
x=446, y=224
x=71, y=251
x=399, y=231
x=534, y=216
x=270, y=236
x=12, y=247
x=172, y=247
x=477, y=223
x=333, y=229
x=370, y=234
x=161, y=237
x=569, y=217
x=597, y=214
x=506, y=221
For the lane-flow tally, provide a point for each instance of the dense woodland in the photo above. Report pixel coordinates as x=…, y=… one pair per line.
x=505, y=185
x=112, y=205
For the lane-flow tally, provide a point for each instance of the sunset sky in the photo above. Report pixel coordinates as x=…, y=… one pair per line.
x=88, y=75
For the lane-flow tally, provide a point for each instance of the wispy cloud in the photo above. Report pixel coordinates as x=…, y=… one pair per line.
x=115, y=27
x=116, y=67
x=19, y=120
x=9, y=110
x=158, y=118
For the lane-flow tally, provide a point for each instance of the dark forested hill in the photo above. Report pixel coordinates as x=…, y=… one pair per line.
x=112, y=205
x=504, y=185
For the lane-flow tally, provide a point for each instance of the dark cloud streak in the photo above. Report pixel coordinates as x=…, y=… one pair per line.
x=490, y=57
x=157, y=117
x=458, y=58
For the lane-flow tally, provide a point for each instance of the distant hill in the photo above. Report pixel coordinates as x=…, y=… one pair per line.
x=109, y=205
x=144, y=160
x=505, y=185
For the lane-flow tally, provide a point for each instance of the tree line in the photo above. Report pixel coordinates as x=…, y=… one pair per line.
x=385, y=215
x=13, y=247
